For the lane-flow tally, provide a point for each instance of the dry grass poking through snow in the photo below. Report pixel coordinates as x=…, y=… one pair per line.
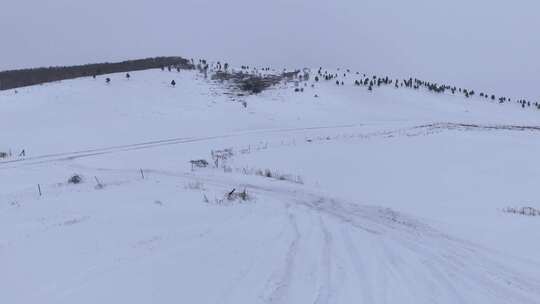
x=528, y=211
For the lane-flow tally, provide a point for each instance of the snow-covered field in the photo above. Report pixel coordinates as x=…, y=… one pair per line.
x=390, y=196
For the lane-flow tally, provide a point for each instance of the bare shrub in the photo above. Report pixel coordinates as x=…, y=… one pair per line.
x=290, y=75
x=221, y=156
x=250, y=83
x=275, y=175
x=196, y=185
x=75, y=179
x=229, y=198
x=198, y=163
x=99, y=185
x=527, y=211
x=240, y=196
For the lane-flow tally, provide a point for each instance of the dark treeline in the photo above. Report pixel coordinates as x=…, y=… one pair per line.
x=26, y=77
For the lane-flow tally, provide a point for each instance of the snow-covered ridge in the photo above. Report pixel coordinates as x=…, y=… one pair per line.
x=341, y=194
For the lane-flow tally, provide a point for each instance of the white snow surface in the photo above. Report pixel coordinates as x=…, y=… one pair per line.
x=390, y=196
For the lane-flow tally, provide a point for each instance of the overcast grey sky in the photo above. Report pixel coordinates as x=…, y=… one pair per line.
x=486, y=44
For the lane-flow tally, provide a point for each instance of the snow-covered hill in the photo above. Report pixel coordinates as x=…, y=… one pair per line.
x=388, y=196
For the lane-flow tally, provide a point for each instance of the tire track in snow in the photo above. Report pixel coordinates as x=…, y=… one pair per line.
x=64, y=156
x=67, y=156
x=461, y=269
x=323, y=297
x=421, y=262
x=359, y=269
x=280, y=282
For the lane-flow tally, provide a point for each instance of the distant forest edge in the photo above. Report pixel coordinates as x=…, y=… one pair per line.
x=27, y=77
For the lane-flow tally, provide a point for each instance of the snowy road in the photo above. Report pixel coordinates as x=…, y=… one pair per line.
x=306, y=248
x=387, y=131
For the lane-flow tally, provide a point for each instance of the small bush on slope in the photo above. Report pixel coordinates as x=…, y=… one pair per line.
x=528, y=211
x=75, y=179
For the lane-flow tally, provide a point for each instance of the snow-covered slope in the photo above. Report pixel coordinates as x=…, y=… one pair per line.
x=390, y=196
